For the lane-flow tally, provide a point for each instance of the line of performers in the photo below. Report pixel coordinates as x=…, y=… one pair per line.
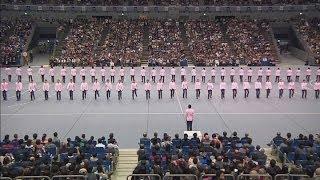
x=160, y=87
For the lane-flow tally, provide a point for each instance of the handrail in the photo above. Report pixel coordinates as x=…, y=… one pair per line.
x=180, y=175
x=214, y=175
x=68, y=176
x=254, y=175
x=5, y=178
x=32, y=177
x=149, y=176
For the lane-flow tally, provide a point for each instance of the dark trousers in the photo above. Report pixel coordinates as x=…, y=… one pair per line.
x=268, y=92
x=96, y=94
x=83, y=78
x=42, y=77
x=58, y=95
x=74, y=79
x=317, y=93
x=19, y=78
x=209, y=94
x=246, y=93
x=52, y=78
x=30, y=78
x=203, y=78
x=222, y=78
x=318, y=77
x=173, y=77
x=84, y=94
x=223, y=93
x=143, y=79
x=241, y=78
x=234, y=93
x=112, y=79
x=213, y=79
x=93, y=78
x=64, y=79
x=297, y=78
x=162, y=78
x=197, y=93
x=288, y=78
x=291, y=93
x=46, y=95
x=184, y=93
x=249, y=78
x=32, y=96
x=193, y=78
x=280, y=93
x=160, y=94
x=147, y=94
x=122, y=78
x=308, y=78
x=260, y=78
x=119, y=95
x=153, y=79
x=231, y=78
x=132, y=78
x=4, y=95
x=258, y=93
x=71, y=95
x=304, y=93
x=108, y=94
x=171, y=93
x=103, y=79
x=189, y=125
x=277, y=79
x=134, y=93
x=18, y=95
x=267, y=78
x=9, y=78
x=182, y=78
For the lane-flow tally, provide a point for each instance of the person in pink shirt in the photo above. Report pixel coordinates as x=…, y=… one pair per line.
x=210, y=89
x=143, y=75
x=308, y=74
x=234, y=87
x=222, y=74
x=203, y=75
x=45, y=88
x=172, y=88
x=223, y=86
x=134, y=88
x=63, y=73
x=103, y=74
x=83, y=73
x=112, y=73
x=8, y=73
x=119, y=89
x=193, y=74
x=32, y=88
x=96, y=88
x=258, y=86
x=318, y=75
x=42, y=72
x=121, y=73
x=51, y=73
x=173, y=73
x=268, y=74
x=246, y=88
x=278, y=74
x=232, y=73
x=213, y=75
x=249, y=74
x=84, y=88
x=147, y=88
x=160, y=88
x=291, y=88
x=184, y=86
x=73, y=73
x=162, y=73
x=132, y=72
x=298, y=74
x=93, y=74
x=268, y=87
x=197, y=87
x=71, y=88
x=153, y=75
x=183, y=73
x=260, y=73
x=19, y=73
x=316, y=88
x=189, y=114
x=241, y=74
x=4, y=89
x=108, y=87
x=58, y=88
x=304, y=88
x=281, y=87
x=29, y=72
x=18, y=90
x=289, y=74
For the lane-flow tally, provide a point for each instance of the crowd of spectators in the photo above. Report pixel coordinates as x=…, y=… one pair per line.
x=44, y=156
x=14, y=36
x=206, y=43
x=310, y=32
x=123, y=43
x=165, y=43
x=251, y=40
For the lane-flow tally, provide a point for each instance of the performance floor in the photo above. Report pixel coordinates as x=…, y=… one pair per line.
x=128, y=118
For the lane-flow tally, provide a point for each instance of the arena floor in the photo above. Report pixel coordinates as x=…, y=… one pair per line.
x=128, y=118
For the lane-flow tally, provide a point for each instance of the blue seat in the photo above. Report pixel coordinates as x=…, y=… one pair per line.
x=107, y=165
x=176, y=143
x=52, y=151
x=185, y=150
x=277, y=142
x=303, y=163
x=145, y=142
x=63, y=157
x=99, y=150
x=290, y=156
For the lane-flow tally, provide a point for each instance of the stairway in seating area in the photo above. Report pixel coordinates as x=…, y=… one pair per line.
x=145, y=43
x=127, y=161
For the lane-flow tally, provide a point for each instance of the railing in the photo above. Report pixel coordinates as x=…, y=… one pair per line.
x=33, y=177
x=290, y=176
x=69, y=177
x=5, y=178
x=226, y=176
x=254, y=177
x=144, y=176
x=189, y=176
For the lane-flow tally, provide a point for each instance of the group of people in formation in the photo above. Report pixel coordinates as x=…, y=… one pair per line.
x=245, y=78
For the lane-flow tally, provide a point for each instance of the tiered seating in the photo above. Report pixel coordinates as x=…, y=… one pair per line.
x=50, y=156
x=206, y=43
x=123, y=43
x=165, y=43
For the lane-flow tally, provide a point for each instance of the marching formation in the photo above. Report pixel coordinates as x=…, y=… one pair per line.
x=109, y=84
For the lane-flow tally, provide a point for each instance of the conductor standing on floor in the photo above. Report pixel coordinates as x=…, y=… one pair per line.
x=189, y=117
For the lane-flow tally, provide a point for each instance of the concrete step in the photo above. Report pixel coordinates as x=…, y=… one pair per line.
x=127, y=158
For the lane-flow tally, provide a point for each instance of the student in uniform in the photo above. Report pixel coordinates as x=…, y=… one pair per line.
x=258, y=86
x=32, y=88
x=132, y=71
x=160, y=88
x=223, y=86
x=213, y=75
x=308, y=74
x=268, y=87
x=84, y=88
x=183, y=74
x=71, y=88
x=103, y=74
x=210, y=89
x=249, y=73
x=268, y=74
x=58, y=88
x=172, y=88
x=4, y=89
x=241, y=74
x=246, y=87
x=29, y=72
x=173, y=73
x=223, y=74
x=45, y=88
x=63, y=73
x=83, y=73
x=184, y=87
x=197, y=87
x=193, y=74
x=232, y=73
x=281, y=87
x=143, y=75
x=298, y=74
x=51, y=73
x=18, y=90
x=289, y=74
x=121, y=72
x=19, y=73
x=93, y=74
x=189, y=117
x=42, y=72
x=316, y=88
x=304, y=88
x=234, y=87
x=73, y=73
x=112, y=73
x=134, y=87
x=203, y=75
x=147, y=88
x=108, y=87
x=119, y=89
x=291, y=88
x=162, y=73
x=96, y=88
x=153, y=75
x=260, y=73
x=8, y=73
x=278, y=74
